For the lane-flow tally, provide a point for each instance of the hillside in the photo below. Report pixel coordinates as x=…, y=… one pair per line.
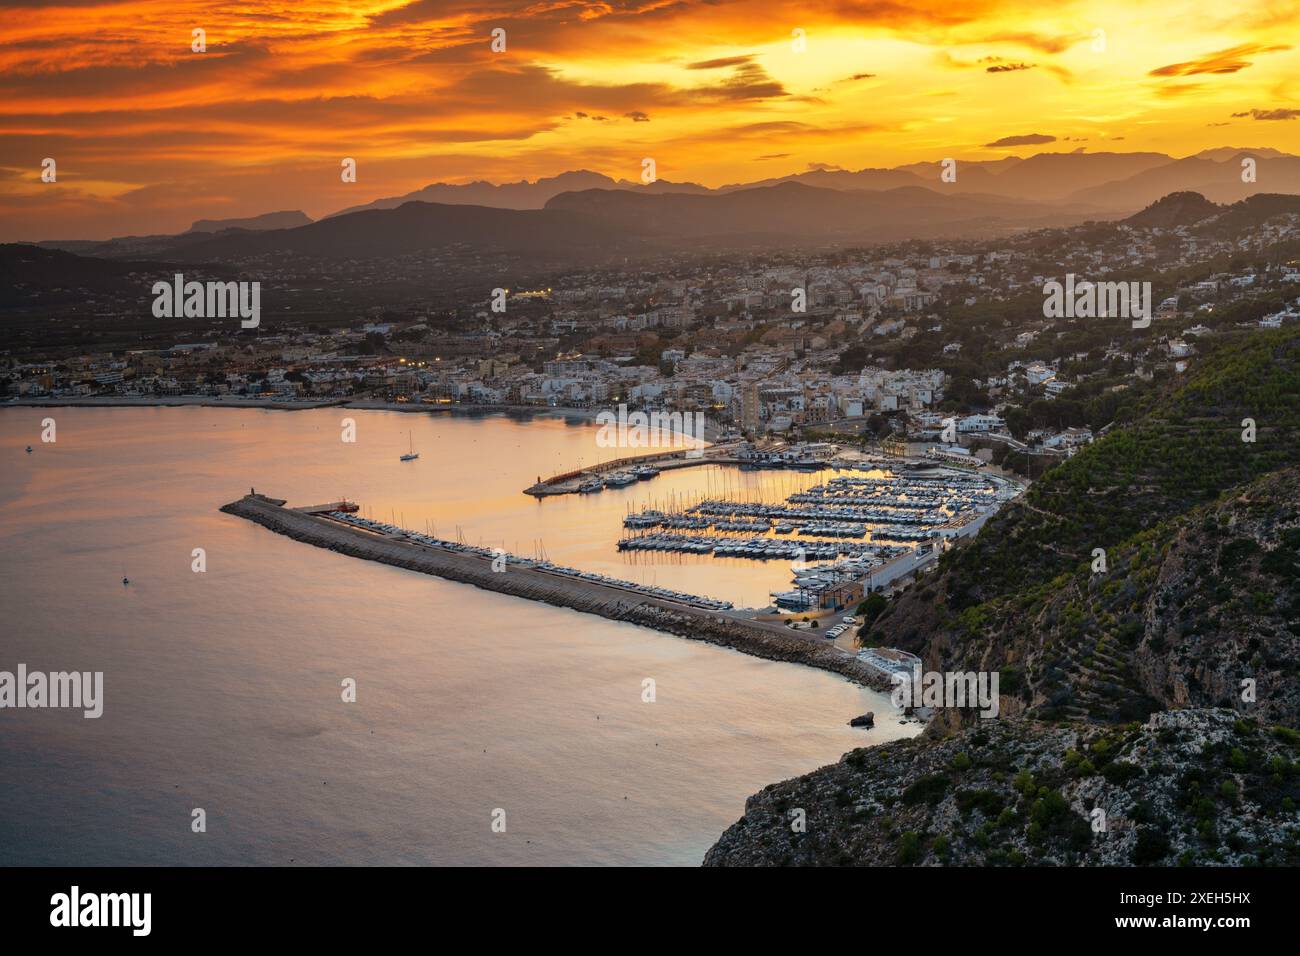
x=1176, y=209
x=778, y=214
x=418, y=226
x=269, y=220
x=30, y=273
x=1198, y=531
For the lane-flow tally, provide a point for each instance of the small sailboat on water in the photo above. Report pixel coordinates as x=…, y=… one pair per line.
x=412, y=454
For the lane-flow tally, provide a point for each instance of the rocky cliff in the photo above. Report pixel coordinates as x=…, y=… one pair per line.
x=1186, y=787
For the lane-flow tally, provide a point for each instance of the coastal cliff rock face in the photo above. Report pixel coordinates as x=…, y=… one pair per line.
x=1222, y=621
x=1186, y=787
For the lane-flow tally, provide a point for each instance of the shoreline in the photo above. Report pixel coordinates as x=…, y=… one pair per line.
x=767, y=641
x=204, y=401
x=360, y=404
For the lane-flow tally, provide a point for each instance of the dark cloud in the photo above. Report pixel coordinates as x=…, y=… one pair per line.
x=636, y=116
x=720, y=63
x=1230, y=60
x=1026, y=139
x=1274, y=114
x=1009, y=67
x=749, y=81
x=1037, y=41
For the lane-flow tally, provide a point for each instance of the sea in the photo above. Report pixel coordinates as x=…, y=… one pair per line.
x=485, y=730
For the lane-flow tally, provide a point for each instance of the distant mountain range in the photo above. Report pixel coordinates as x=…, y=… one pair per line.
x=1107, y=181
x=584, y=217
x=520, y=195
x=595, y=224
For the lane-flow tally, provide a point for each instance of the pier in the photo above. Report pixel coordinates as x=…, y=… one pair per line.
x=768, y=640
x=570, y=482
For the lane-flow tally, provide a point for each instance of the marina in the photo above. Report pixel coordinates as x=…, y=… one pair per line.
x=861, y=524
x=846, y=537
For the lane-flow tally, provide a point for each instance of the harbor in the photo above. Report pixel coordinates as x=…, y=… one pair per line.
x=671, y=613
x=871, y=530
x=845, y=538
x=622, y=472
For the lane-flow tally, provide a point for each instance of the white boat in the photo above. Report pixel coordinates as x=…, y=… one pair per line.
x=413, y=454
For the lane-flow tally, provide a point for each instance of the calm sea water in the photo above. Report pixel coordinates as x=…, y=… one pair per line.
x=222, y=689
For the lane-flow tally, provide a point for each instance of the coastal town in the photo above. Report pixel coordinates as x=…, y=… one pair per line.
x=920, y=347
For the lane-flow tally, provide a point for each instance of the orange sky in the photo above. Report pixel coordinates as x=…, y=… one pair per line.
x=148, y=135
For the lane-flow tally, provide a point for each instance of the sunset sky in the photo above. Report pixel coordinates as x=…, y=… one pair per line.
x=148, y=135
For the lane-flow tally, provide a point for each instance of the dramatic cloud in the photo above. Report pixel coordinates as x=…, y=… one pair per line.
x=1278, y=114
x=1028, y=139
x=720, y=63
x=1230, y=60
x=150, y=135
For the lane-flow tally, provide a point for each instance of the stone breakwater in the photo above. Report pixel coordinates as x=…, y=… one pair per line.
x=759, y=639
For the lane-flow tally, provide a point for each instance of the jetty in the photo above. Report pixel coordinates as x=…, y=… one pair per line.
x=571, y=482
x=527, y=579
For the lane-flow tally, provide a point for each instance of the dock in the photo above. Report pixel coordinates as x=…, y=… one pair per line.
x=567, y=482
x=768, y=640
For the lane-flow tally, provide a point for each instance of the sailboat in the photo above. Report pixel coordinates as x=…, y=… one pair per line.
x=412, y=454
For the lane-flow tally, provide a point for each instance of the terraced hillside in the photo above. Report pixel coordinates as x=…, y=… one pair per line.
x=1198, y=530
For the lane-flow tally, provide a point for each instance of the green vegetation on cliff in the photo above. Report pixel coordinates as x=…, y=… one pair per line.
x=1194, y=787
x=1198, y=530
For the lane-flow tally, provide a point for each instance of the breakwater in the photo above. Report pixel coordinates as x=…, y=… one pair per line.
x=759, y=639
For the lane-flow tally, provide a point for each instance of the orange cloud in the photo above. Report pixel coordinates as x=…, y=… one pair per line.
x=149, y=134
x=1225, y=61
